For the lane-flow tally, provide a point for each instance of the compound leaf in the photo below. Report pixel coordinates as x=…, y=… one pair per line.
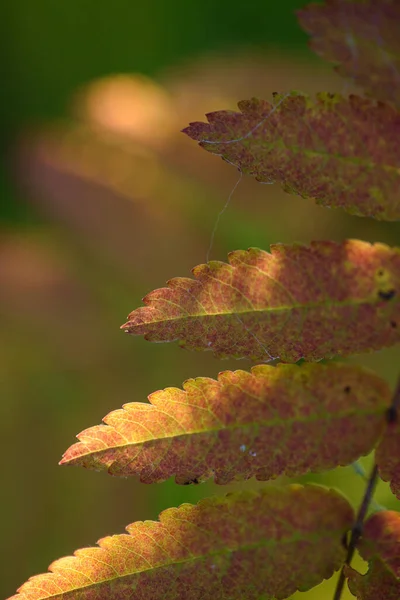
x=277, y=420
x=388, y=457
x=253, y=545
x=362, y=38
x=380, y=545
x=343, y=152
x=297, y=302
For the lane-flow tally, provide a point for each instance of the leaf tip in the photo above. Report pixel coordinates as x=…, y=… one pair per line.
x=63, y=460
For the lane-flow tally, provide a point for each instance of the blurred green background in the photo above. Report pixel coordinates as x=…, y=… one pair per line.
x=102, y=200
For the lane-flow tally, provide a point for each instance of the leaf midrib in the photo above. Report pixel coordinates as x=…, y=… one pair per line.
x=304, y=306
x=267, y=147
x=256, y=424
x=313, y=537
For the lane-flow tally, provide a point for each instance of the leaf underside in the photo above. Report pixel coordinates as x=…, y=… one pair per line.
x=242, y=425
x=362, y=38
x=380, y=545
x=257, y=545
x=343, y=152
x=388, y=457
x=297, y=302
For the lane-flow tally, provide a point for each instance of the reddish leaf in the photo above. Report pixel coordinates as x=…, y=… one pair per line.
x=380, y=545
x=388, y=457
x=344, y=152
x=362, y=38
x=276, y=420
x=248, y=544
x=381, y=539
x=311, y=302
x=377, y=584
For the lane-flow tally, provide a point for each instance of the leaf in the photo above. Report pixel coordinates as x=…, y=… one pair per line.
x=377, y=584
x=277, y=420
x=381, y=540
x=362, y=38
x=297, y=302
x=344, y=152
x=388, y=457
x=380, y=545
x=249, y=544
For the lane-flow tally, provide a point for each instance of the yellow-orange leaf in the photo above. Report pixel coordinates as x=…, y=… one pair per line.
x=297, y=302
x=252, y=545
x=276, y=420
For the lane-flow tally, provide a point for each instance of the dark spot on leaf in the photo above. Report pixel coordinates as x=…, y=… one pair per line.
x=393, y=324
x=194, y=481
x=380, y=272
x=330, y=95
x=347, y=389
x=392, y=415
x=386, y=295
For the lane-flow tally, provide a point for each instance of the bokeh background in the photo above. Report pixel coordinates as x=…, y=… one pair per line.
x=102, y=200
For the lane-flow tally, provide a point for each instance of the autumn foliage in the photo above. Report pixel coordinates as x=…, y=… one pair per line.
x=242, y=425
x=297, y=302
x=314, y=148
x=290, y=303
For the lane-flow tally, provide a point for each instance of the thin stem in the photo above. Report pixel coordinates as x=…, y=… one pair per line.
x=357, y=528
x=356, y=532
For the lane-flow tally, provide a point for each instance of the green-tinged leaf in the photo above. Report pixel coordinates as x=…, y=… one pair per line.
x=253, y=545
x=297, y=302
x=377, y=584
x=362, y=38
x=277, y=420
x=344, y=152
x=380, y=546
x=388, y=457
